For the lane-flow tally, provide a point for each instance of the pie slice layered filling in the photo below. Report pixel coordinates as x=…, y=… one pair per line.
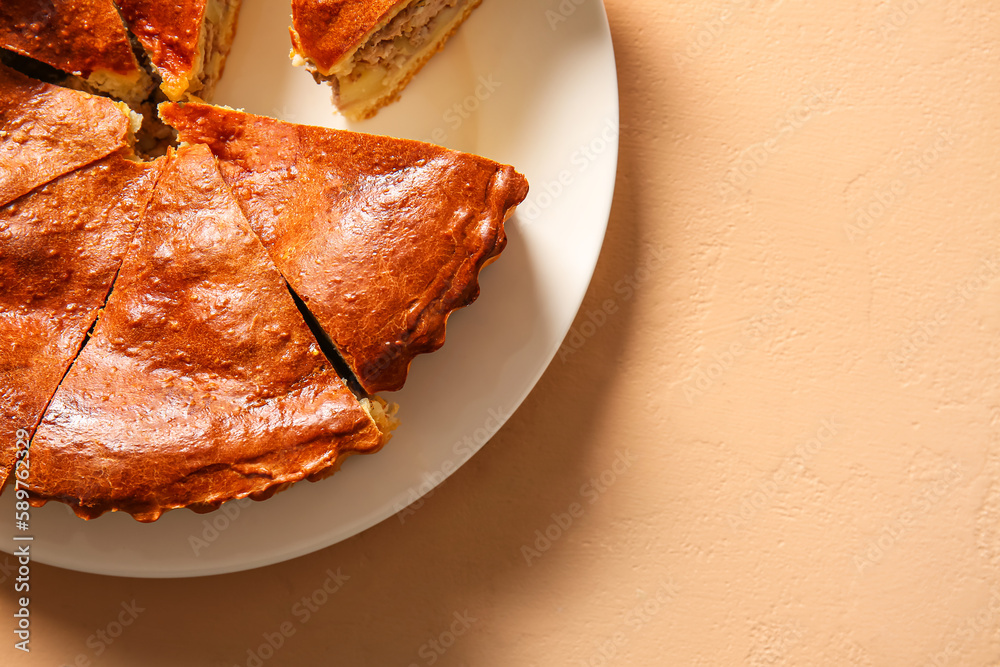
x=369, y=50
x=382, y=238
x=60, y=247
x=85, y=38
x=201, y=382
x=47, y=131
x=187, y=41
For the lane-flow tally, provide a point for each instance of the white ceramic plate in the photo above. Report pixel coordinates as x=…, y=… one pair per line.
x=530, y=83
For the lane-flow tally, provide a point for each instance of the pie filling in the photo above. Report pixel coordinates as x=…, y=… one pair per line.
x=378, y=68
x=218, y=28
x=133, y=88
x=382, y=413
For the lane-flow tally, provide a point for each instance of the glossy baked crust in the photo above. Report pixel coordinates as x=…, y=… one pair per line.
x=201, y=382
x=76, y=36
x=187, y=40
x=169, y=31
x=326, y=31
x=60, y=247
x=382, y=238
x=47, y=131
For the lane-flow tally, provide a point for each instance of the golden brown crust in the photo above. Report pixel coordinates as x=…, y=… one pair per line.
x=382, y=238
x=76, y=36
x=170, y=33
x=47, y=131
x=58, y=259
x=327, y=30
x=201, y=382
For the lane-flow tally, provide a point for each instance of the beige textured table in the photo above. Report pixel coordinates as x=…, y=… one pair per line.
x=782, y=448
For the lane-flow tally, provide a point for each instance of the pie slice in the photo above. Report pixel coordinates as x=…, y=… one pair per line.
x=368, y=50
x=382, y=238
x=201, y=382
x=57, y=262
x=47, y=131
x=187, y=40
x=81, y=37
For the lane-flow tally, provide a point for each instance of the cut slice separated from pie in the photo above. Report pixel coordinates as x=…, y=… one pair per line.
x=85, y=38
x=381, y=238
x=187, y=41
x=60, y=248
x=201, y=382
x=47, y=131
x=368, y=50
